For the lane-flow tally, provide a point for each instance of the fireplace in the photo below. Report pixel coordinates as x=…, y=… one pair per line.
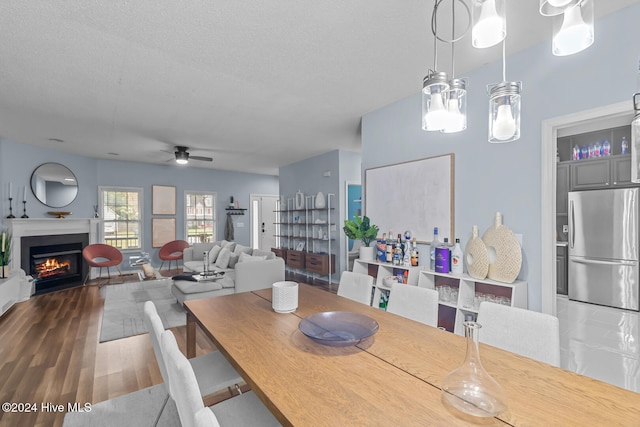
x=55, y=262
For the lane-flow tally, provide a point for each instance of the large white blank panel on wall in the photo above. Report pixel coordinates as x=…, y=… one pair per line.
x=416, y=195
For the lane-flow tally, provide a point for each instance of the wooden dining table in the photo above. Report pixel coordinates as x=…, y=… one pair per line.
x=390, y=378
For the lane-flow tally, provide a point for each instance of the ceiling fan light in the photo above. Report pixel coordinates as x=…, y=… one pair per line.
x=489, y=23
x=556, y=7
x=182, y=157
x=573, y=30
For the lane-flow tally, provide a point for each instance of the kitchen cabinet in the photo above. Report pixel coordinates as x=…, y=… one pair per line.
x=590, y=174
x=562, y=278
x=452, y=314
x=563, y=187
x=621, y=171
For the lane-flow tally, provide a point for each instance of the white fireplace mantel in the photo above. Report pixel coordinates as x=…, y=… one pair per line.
x=19, y=228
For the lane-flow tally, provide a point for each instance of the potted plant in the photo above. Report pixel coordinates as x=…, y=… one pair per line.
x=361, y=229
x=5, y=253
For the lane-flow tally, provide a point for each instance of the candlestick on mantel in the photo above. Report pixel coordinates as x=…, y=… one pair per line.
x=10, y=209
x=24, y=209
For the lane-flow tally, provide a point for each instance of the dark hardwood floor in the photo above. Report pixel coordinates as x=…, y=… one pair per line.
x=49, y=353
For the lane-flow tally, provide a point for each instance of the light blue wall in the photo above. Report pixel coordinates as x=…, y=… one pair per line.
x=507, y=177
x=17, y=161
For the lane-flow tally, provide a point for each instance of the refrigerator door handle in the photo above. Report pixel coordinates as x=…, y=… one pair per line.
x=572, y=225
x=602, y=262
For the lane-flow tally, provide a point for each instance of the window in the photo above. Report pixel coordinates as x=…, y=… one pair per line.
x=121, y=217
x=200, y=216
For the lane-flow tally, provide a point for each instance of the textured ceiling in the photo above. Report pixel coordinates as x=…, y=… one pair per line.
x=254, y=84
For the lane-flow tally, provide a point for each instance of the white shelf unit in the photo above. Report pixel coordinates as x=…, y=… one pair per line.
x=451, y=315
x=380, y=270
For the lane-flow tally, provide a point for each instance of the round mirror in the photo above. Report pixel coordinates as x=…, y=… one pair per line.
x=54, y=185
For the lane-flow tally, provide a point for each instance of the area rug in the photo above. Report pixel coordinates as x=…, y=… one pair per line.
x=124, y=308
x=140, y=408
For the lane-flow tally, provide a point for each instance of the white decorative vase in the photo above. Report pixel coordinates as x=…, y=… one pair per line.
x=284, y=297
x=321, y=202
x=505, y=254
x=299, y=200
x=367, y=253
x=476, y=256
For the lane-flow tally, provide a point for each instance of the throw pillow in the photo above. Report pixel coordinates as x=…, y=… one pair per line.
x=213, y=254
x=240, y=249
x=223, y=258
x=229, y=245
x=266, y=254
x=233, y=260
x=244, y=257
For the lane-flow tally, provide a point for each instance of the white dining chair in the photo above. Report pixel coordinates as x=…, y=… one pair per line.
x=412, y=302
x=243, y=410
x=525, y=332
x=214, y=372
x=356, y=286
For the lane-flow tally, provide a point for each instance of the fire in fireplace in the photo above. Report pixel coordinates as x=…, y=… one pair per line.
x=55, y=262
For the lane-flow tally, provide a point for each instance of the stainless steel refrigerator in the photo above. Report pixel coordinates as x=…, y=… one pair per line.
x=603, y=247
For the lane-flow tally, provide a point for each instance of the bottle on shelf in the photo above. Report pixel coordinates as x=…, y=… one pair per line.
x=624, y=145
x=576, y=152
x=397, y=255
x=405, y=277
x=381, y=248
x=443, y=257
x=390, y=248
x=606, y=148
x=414, y=253
x=457, y=257
x=432, y=249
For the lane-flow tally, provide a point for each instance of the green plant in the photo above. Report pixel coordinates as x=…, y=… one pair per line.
x=360, y=228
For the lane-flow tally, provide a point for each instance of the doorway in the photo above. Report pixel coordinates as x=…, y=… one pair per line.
x=584, y=121
x=353, y=203
x=263, y=222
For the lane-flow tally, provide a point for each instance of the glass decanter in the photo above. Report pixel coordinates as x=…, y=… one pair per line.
x=469, y=388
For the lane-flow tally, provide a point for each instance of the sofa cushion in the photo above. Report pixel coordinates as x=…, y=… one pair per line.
x=239, y=249
x=213, y=254
x=187, y=287
x=244, y=257
x=223, y=258
x=266, y=254
x=199, y=249
x=229, y=245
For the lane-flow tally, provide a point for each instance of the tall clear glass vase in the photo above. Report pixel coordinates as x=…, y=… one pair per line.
x=469, y=388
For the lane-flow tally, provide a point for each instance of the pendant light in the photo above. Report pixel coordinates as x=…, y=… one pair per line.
x=635, y=139
x=573, y=29
x=456, y=120
x=435, y=89
x=556, y=7
x=504, y=108
x=489, y=23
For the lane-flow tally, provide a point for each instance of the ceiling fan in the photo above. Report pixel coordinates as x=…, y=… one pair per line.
x=182, y=156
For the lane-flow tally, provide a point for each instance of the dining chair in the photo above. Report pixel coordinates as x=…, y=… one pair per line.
x=101, y=255
x=356, y=286
x=172, y=251
x=243, y=410
x=525, y=332
x=214, y=372
x=412, y=302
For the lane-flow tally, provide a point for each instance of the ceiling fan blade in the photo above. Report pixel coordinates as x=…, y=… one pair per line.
x=204, y=159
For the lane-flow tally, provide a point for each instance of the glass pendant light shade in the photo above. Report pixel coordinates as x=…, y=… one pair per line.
x=456, y=120
x=489, y=23
x=556, y=7
x=573, y=30
x=635, y=140
x=504, y=112
x=435, y=97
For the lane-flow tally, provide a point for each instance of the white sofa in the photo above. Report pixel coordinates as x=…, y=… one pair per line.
x=253, y=270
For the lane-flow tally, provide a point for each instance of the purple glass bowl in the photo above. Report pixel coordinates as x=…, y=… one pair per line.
x=338, y=328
